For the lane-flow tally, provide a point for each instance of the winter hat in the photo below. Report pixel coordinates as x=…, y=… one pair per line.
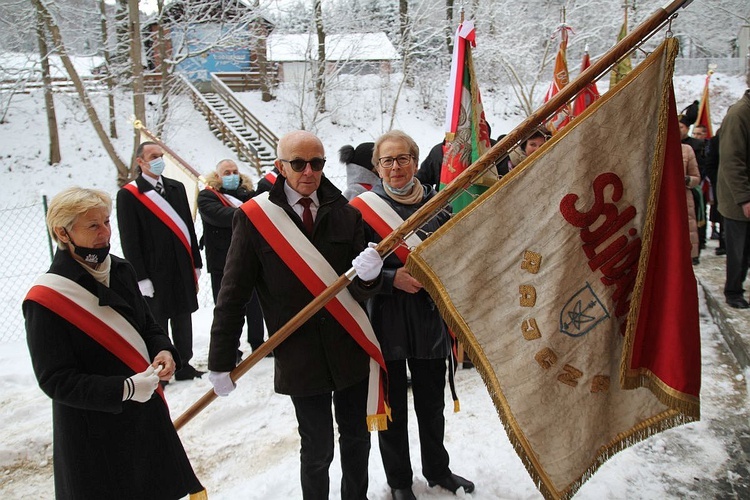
x=361, y=155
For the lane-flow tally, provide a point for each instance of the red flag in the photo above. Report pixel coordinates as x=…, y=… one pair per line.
x=704, y=111
x=559, y=80
x=589, y=94
x=672, y=357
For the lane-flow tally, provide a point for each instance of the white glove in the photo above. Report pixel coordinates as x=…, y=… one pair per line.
x=368, y=263
x=197, y=273
x=146, y=287
x=223, y=385
x=140, y=386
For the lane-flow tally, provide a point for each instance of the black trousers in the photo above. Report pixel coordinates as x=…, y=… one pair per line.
x=253, y=313
x=315, y=424
x=182, y=334
x=737, y=234
x=427, y=386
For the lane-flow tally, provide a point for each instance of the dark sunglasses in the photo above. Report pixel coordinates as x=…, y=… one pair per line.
x=298, y=165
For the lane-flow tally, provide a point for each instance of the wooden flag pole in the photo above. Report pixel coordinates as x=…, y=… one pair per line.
x=463, y=181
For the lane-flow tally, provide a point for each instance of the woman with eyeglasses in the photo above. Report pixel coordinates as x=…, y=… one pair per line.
x=407, y=322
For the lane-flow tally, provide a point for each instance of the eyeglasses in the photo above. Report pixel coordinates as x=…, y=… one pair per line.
x=299, y=165
x=402, y=160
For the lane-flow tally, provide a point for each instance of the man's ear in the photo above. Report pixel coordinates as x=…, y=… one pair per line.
x=280, y=167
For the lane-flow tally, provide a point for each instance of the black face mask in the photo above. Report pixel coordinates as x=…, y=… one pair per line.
x=90, y=255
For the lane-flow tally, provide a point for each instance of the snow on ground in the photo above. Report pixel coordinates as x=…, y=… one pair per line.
x=246, y=446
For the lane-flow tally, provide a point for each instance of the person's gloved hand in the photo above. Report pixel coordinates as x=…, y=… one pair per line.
x=368, y=263
x=140, y=386
x=146, y=287
x=222, y=383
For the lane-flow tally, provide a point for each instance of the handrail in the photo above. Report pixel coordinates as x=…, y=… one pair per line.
x=264, y=133
x=228, y=132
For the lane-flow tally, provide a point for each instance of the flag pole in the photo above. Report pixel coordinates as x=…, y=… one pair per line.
x=644, y=31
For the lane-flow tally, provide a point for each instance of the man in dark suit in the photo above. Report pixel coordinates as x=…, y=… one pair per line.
x=158, y=238
x=304, y=222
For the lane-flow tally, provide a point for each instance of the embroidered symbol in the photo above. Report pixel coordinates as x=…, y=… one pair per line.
x=582, y=313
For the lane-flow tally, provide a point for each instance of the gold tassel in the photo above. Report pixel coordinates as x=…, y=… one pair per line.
x=377, y=422
x=456, y=406
x=201, y=495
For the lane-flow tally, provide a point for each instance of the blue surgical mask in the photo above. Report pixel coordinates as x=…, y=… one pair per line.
x=157, y=166
x=230, y=182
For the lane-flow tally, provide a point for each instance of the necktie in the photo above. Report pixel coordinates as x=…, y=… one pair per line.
x=159, y=188
x=307, y=218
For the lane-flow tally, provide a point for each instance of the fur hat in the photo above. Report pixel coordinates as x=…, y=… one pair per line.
x=690, y=114
x=361, y=155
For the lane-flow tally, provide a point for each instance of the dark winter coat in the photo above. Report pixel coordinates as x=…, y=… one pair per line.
x=264, y=184
x=320, y=356
x=408, y=325
x=155, y=251
x=217, y=219
x=105, y=448
x=734, y=160
x=429, y=171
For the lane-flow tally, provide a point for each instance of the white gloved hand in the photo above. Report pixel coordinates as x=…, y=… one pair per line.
x=146, y=287
x=140, y=386
x=222, y=383
x=197, y=273
x=368, y=263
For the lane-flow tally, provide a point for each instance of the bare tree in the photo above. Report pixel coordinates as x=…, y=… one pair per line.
x=49, y=99
x=108, y=71
x=320, y=73
x=136, y=64
x=123, y=173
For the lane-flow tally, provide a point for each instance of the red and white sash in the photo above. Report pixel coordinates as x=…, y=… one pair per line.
x=316, y=274
x=81, y=308
x=383, y=219
x=226, y=199
x=163, y=211
x=271, y=177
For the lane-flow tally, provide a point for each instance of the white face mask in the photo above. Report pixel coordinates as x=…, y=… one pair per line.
x=157, y=166
x=402, y=190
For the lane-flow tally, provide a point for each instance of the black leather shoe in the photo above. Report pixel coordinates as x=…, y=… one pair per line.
x=187, y=372
x=738, y=303
x=720, y=251
x=453, y=483
x=402, y=494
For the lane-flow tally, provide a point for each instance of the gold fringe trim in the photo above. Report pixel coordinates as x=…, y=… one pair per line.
x=682, y=408
x=377, y=422
x=201, y=495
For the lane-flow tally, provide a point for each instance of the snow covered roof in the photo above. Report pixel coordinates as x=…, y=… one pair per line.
x=285, y=47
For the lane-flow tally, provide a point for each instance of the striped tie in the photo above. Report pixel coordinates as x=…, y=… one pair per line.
x=159, y=188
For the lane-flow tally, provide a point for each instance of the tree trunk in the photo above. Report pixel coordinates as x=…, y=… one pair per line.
x=320, y=77
x=139, y=98
x=164, y=71
x=450, y=28
x=108, y=70
x=54, y=31
x=49, y=100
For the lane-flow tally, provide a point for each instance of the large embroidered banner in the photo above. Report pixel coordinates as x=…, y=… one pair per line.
x=570, y=283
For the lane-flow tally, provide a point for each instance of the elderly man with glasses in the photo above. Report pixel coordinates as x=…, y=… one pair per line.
x=301, y=230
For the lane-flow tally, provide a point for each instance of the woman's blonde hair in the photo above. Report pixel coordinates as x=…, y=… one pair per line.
x=67, y=205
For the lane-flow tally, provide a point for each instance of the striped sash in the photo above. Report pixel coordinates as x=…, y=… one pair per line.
x=81, y=308
x=316, y=274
